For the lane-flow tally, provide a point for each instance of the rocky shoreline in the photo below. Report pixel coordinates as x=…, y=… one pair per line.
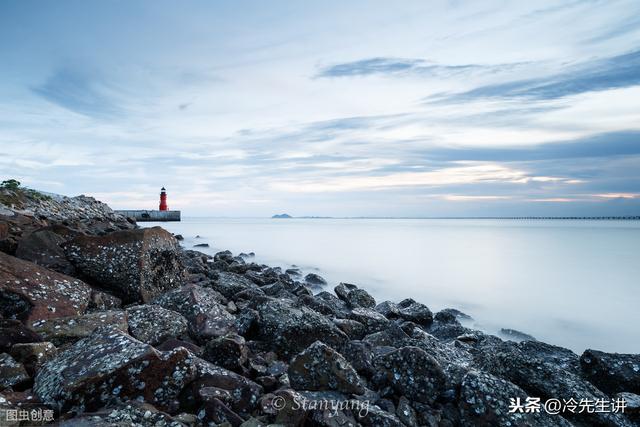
x=103, y=323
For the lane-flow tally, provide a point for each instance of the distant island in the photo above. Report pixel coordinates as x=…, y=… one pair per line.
x=281, y=216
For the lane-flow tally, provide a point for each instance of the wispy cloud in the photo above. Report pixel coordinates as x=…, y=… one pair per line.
x=79, y=91
x=413, y=66
x=603, y=74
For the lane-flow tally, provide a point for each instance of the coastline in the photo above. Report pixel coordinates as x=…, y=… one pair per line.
x=105, y=322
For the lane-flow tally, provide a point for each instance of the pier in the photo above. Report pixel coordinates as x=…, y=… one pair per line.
x=150, y=216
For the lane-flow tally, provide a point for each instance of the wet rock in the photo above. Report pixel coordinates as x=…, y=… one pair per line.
x=172, y=344
x=179, y=237
x=153, y=324
x=229, y=284
x=29, y=292
x=66, y=330
x=460, y=316
x=244, y=393
x=411, y=372
x=293, y=272
x=33, y=355
x=354, y=297
x=102, y=301
x=315, y=280
x=229, y=351
x=612, y=372
x=319, y=367
x=371, y=319
x=360, y=355
x=202, y=307
x=13, y=332
x=201, y=245
x=376, y=417
x=43, y=247
x=485, y=400
x=405, y=412
x=12, y=373
x=514, y=335
x=289, y=330
x=137, y=265
x=354, y=329
x=413, y=311
x=216, y=411
x=124, y=415
x=108, y=364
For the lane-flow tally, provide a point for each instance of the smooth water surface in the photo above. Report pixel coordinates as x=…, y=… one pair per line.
x=569, y=283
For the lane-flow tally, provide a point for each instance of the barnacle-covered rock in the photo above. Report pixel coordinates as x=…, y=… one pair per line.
x=111, y=364
x=30, y=292
x=66, y=330
x=12, y=372
x=153, y=324
x=319, y=367
x=33, y=355
x=137, y=265
x=612, y=372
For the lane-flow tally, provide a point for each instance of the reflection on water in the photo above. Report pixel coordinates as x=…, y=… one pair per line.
x=570, y=283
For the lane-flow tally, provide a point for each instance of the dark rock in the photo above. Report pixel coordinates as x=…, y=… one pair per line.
x=179, y=237
x=153, y=324
x=202, y=307
x=13, y=332
x=371, y=319
x=513, y=335
x=66, y=330
x=229, y=351
x=219, y=413
x=137, y=265
x=102, y=301
x=354, y=329
x=172, y=344
x=411, y=372
x=109, y=363
x=29, y=292
x=319, y=367
x=43, y=247
x=244, y=393
x=12, y=373
x=289, y=330
x=229, y=284
x=354, y=297
x=413, y=311
x=33, y=355
x=124, y=414
x=201, y=245
x=376, y=417
x=612, y=372
x=485, y=400
x=460, y=316
x=293, y=272
x=405, y=412
x=360, y=355
x=315, y=280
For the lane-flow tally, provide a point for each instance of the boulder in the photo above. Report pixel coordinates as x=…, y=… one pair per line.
x=612, y=372
x=411, y=372
x=229, y=351
x=354, y=297
x=153, y=324
x=288, y=330
x=315, y=280
x=30, y=292
x=371, y=319
x=44, y=247
x=12, y=373
x=202, y=307
x=354, y=329
x=13, y=332
x=229, y=284
x=65, y=330
x=110, y=364
x=485, y=402
x=319, y=367
x=137, y=265
x=413, y=311
x=123, y=415
x=33, y=355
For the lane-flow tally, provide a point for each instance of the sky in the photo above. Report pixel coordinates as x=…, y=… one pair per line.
x=327, y=108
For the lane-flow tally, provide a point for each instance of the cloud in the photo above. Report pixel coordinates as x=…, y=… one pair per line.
x=419, y=67
x=78, y=91
x=603, y=74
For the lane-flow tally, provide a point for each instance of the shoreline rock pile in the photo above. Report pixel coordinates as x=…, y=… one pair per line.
x=102, y=324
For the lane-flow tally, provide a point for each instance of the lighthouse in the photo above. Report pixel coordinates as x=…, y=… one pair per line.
x=163, y=200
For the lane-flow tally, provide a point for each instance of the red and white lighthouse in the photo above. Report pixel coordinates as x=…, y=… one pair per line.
x=163, y=200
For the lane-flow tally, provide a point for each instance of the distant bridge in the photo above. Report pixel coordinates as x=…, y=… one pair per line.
x=151, y=216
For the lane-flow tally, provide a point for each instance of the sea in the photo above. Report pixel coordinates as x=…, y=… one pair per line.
x=572, y=283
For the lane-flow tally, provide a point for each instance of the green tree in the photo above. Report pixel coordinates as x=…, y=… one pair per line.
x=10, y=184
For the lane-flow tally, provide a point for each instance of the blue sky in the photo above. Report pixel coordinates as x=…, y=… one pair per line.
x=358, y=108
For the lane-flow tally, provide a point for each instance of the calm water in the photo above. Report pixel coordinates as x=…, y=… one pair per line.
x=570, y=283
